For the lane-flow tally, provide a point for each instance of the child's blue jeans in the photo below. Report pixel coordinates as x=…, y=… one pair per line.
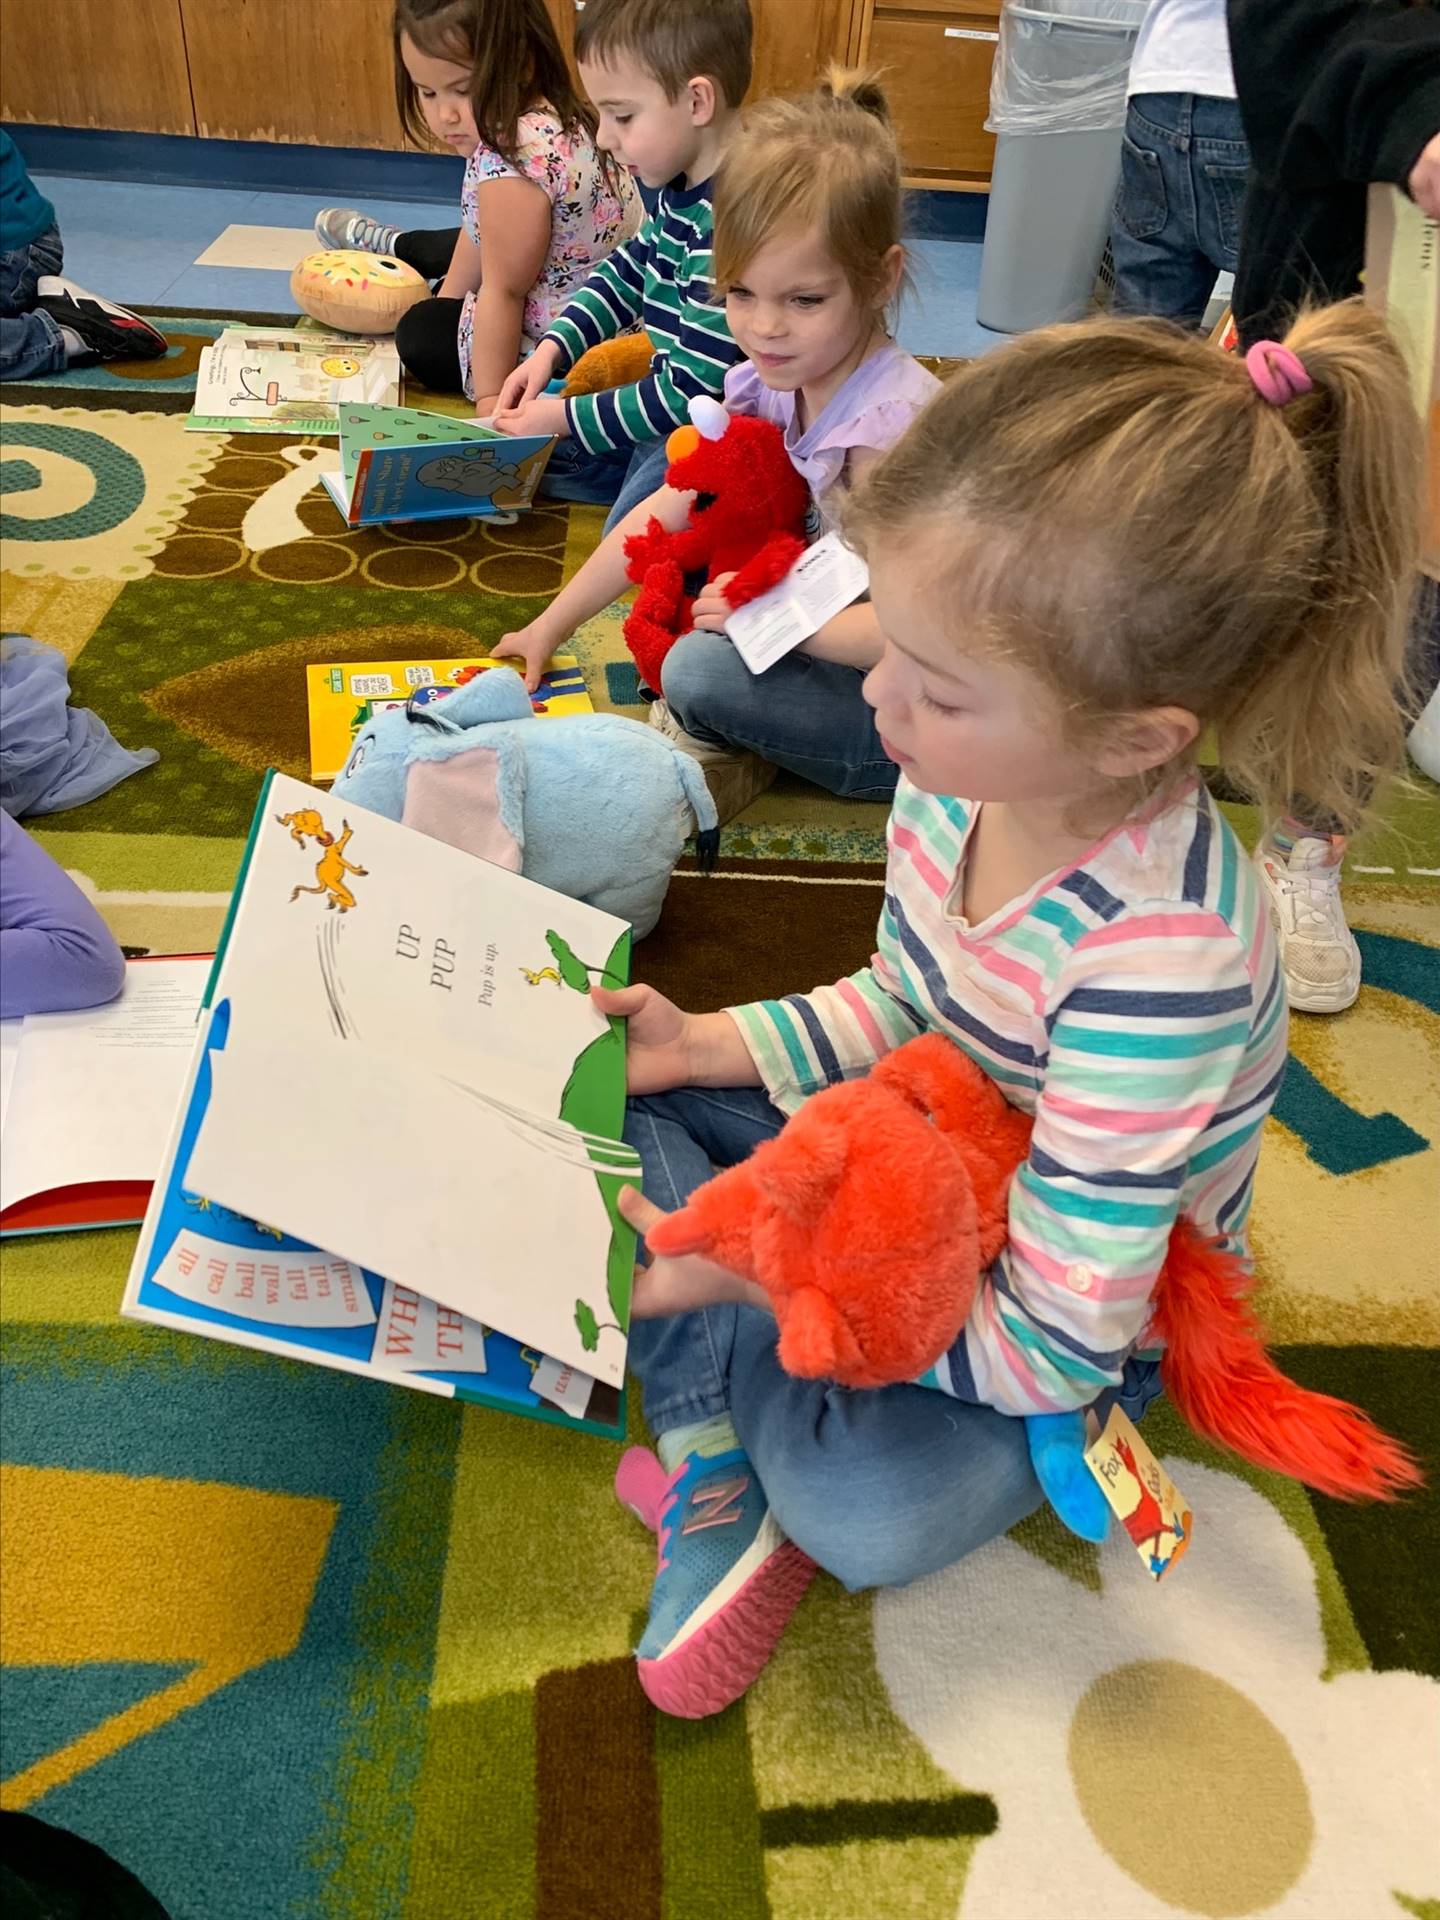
x=802, y=714
x=1176, y=222
x=644, y=474
x=879, y=1487
x=30, y=340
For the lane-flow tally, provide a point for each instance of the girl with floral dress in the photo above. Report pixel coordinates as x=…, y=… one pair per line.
x=541, y=205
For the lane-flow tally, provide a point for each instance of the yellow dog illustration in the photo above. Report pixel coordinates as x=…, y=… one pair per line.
x=545, y=973
x=331, y=869
x=307, y=820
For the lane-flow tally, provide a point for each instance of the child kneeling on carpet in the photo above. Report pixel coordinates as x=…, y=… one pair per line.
x=540, y=201
x=1060, y=625
x=807, y=247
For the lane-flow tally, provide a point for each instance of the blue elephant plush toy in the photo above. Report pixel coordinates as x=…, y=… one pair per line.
x=591, y=804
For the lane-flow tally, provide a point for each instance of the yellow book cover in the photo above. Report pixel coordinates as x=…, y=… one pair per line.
x=342, y=698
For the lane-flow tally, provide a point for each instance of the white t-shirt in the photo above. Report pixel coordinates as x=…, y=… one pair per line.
x=1183, y=47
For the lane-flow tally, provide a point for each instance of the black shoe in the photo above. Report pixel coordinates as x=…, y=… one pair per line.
x=110, y=332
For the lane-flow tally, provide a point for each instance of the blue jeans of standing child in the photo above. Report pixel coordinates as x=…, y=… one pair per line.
x=1176, y=222
x=880, y=1487
x=644, y=475
x=805, y=715
x=30, y=341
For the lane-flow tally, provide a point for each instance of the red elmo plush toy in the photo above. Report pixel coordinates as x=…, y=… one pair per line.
x=748, y=518
x=870, y=1217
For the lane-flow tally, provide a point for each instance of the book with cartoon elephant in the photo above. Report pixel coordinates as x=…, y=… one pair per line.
x=398, y=1149
x=398, y=463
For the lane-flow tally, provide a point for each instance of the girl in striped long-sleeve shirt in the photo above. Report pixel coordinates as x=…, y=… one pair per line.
x=1088, y=548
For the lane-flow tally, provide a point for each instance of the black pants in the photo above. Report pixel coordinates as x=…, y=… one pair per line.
x=426, y=337
x=428, y=250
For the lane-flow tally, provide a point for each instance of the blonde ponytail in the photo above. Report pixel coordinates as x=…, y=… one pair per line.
x=855, y=87
x=1118, y=507
x=827, y=162
x=1327, y=716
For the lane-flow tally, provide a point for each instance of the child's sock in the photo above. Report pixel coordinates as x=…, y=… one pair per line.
x=1288, y=832
x=74, y=345
x=705, y=1437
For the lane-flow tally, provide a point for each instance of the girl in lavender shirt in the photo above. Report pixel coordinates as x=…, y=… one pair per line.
x=807, y=248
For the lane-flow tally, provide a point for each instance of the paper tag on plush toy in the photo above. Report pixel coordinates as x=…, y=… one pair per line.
x=1150, y=1506
x=825, y=580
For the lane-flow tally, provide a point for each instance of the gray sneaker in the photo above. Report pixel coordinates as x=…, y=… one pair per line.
x=348, y=227
x=734, y=775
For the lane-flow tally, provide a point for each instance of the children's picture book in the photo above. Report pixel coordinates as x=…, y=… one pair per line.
x=399, y=463
x=290, y=380
x=342, y=699
x=87, y=1100
x=397, y=1150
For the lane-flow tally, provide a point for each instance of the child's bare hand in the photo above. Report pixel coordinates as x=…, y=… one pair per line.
x=529, y=649
x=658, y=1053
x=532, y=376
x=711, y=609
x=544, y=414
x=684, y=1283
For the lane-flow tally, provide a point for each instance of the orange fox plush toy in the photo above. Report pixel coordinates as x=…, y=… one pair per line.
x=870, y=1217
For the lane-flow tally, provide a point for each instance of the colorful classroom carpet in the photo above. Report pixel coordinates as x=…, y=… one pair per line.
x=286, y=1643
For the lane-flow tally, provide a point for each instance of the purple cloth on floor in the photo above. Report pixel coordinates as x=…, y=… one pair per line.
x=52, y=755
x=55, y=950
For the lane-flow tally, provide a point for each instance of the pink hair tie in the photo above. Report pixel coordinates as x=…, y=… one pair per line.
x=1279, y=374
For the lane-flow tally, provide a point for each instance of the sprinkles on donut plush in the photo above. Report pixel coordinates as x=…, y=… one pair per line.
x=356, y=292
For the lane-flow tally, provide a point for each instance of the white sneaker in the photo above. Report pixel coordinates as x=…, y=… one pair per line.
x=1317, y=948
x=1425, y=738
x=734, y=775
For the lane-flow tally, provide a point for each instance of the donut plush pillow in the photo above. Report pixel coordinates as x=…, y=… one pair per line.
x=356, y=292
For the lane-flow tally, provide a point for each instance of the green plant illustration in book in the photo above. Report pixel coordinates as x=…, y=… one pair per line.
x=585, y=1105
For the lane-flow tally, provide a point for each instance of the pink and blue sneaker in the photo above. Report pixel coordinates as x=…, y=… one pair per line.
x=727, y=1583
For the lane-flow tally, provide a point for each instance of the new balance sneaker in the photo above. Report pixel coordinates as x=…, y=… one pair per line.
x=734, y=775
x=726, y=1585
x=107, y=331
x=349, y=227
x=1317, y=949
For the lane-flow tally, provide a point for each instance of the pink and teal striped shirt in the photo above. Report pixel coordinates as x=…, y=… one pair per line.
x=1134, y=1004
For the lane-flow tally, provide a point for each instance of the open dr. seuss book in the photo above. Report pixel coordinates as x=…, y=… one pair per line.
x=290, y=380
x=397, y=463
x=87, y=1101
x=342, y=699
x=397, y=1150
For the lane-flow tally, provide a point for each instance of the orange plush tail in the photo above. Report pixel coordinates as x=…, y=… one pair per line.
x=1225, y=1384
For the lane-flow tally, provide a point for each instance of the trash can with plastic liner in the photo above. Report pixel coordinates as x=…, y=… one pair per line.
x=1057, y=108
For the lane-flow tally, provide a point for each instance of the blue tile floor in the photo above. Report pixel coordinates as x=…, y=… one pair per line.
x=139, y=243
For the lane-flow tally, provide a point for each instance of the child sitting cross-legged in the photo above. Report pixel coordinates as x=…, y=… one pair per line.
x=808, y=254
x=667, y=78
x=542, y=205
x=1063, y=900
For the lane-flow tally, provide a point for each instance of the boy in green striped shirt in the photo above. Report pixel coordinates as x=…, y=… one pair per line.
x=667, y=78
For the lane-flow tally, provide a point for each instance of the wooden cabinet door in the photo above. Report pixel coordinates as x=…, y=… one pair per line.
x=937, y=75
x=65, y=63
x=320, y=72
x=563, y=13
x=795, y=40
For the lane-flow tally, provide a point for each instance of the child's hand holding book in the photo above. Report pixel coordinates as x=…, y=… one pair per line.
x=666, y=1047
